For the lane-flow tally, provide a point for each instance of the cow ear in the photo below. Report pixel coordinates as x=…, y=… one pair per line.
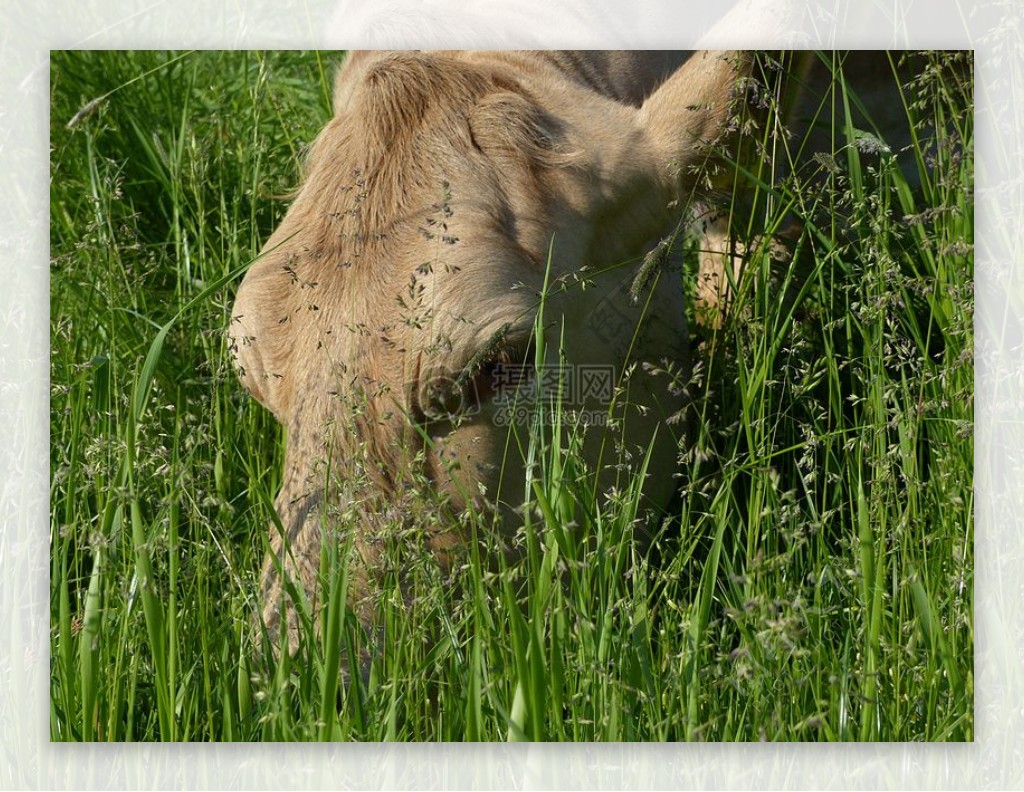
x=692, y=112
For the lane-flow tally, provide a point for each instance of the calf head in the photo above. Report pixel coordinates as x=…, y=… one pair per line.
x=442, y=195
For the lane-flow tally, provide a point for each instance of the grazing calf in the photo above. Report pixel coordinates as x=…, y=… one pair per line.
x=445, y=190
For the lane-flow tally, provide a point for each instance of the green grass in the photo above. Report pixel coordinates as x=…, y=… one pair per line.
x=814, y=580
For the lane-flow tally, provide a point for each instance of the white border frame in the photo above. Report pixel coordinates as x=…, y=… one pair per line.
x=992, y=27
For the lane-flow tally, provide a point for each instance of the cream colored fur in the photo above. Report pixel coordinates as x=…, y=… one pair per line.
x=421, y=234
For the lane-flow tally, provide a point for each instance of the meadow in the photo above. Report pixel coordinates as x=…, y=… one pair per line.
x=812, y=581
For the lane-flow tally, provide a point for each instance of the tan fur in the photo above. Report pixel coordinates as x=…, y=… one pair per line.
x=439, y=186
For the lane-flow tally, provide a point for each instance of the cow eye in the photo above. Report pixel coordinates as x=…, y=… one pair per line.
x=493, y=375
x=500, y=373
x=444, y=399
